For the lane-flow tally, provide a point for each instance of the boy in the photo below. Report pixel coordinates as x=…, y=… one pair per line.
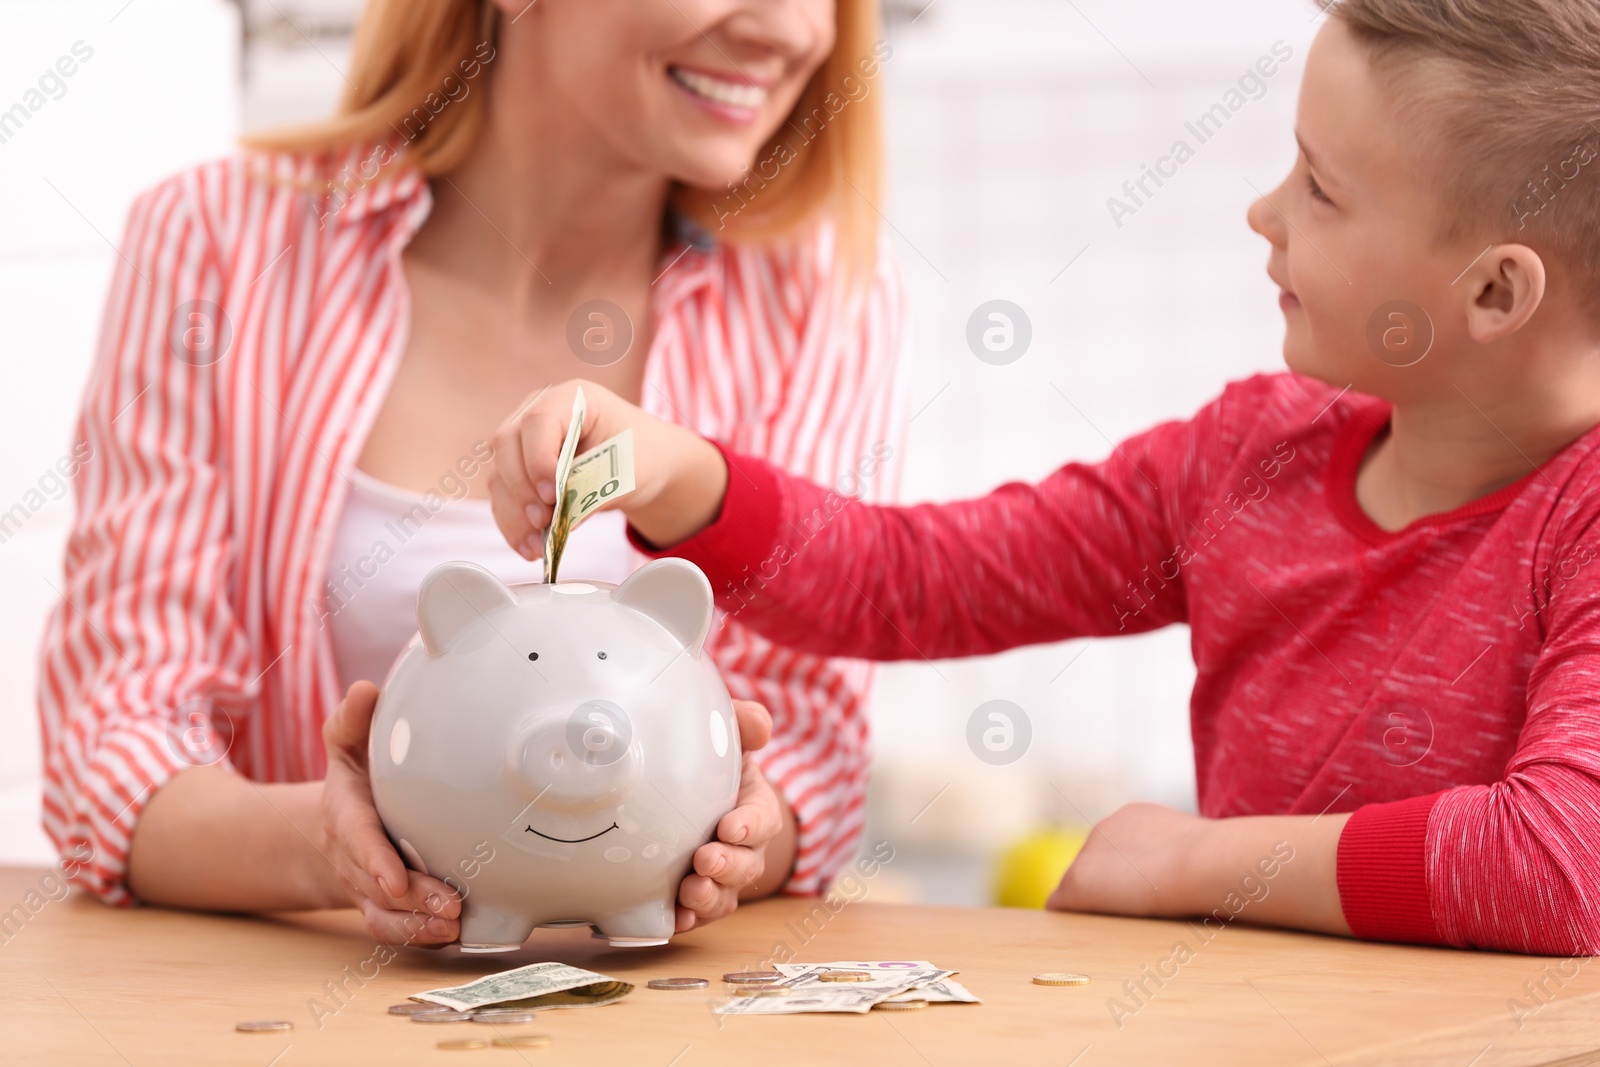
x=1386, y=556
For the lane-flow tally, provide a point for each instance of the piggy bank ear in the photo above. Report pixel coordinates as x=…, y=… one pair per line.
x=674, y=593
x=454, y=596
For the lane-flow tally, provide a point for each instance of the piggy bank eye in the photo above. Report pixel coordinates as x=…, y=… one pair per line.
x=602, y=655
x=532, y=656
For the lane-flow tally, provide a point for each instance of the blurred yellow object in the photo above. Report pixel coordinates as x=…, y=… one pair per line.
x=1029, y=871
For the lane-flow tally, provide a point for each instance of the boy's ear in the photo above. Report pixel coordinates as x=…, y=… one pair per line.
x=1506, y=285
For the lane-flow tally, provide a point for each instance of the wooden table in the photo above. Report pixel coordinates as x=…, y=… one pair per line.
x=83, y=983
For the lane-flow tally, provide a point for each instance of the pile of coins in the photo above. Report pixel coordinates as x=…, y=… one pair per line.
x=435, y=1014
x=467, y=1044
x=1060, y=978
x=751, y=977
x=900, y=1005
x=755, y=984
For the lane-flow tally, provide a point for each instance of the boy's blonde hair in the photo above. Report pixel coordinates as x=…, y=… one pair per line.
x=1505, y=95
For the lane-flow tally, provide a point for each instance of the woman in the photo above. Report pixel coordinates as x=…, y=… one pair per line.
x=308, y=348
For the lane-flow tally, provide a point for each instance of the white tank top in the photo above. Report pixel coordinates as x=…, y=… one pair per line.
x=388, y=540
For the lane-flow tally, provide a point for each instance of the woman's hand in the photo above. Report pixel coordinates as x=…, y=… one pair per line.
x=679, y=476
x=755, y=841
x=401, y=906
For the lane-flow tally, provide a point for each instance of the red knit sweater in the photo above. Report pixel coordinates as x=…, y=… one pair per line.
x=1442, y=681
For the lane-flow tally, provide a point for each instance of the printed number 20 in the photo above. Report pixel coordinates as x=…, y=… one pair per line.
x=594, y=496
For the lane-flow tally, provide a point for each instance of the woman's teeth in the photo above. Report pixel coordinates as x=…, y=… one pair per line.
x=733, y=94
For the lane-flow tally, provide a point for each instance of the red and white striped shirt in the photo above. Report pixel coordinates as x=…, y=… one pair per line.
x=192, y=627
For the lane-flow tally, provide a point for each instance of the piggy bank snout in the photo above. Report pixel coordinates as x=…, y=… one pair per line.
x=583, y=760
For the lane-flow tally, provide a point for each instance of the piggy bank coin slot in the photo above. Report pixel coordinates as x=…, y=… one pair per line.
x=571, y=588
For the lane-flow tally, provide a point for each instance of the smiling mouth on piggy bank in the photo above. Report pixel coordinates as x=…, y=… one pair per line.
x=573, y=840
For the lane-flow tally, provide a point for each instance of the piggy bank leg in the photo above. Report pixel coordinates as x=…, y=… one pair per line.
x=488, y=929
x=648, y=924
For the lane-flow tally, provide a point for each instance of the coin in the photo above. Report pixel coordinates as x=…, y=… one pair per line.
x=443, y=1015
x=414, y=1007
x=1056, y=978
x=761, y=991
x=844, y=976
x=751, y=977
x=523, y=1041
x=263, y=1026
x=677, y=983
x=462, y=1044
x=900, y=1005
x=502, y=1016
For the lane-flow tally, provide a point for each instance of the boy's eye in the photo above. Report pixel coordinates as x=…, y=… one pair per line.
x=1316, y=190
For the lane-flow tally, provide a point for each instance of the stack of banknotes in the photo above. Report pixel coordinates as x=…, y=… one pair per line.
x=788, y=989
x=849, y=986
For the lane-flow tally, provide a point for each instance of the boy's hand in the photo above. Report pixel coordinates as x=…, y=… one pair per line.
x=680, y=477
x=737, y=861
x=1131, y=865
x=401, y=906
x=1274, y=870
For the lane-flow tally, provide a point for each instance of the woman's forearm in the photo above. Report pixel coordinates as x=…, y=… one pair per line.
x=211, y=839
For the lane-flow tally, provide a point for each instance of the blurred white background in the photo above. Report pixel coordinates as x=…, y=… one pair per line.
x=1011, y=123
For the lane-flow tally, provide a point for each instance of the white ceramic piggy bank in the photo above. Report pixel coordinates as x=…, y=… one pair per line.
x=557, y=752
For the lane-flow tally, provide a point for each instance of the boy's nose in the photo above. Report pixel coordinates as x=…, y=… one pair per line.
x=1265, y=220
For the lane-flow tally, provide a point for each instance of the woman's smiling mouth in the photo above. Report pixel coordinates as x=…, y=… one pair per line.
x=736, y=100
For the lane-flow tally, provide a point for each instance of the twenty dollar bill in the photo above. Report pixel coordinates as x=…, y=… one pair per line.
x=584, y=483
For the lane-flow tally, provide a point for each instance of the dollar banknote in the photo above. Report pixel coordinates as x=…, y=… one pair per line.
x=584, y=483
x=555, y=535
x=807, y=992
x=539, y=985
x=942, y=991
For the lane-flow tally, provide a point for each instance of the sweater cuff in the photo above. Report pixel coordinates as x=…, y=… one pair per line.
x=1383, y=875
x=744, y=531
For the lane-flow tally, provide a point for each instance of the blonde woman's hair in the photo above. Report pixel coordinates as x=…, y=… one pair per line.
x=1504, y=96
x=411, y=59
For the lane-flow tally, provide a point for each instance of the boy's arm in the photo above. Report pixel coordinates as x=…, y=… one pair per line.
x=822, y=573
x=1274, y=870
x=1094, y=549
x=1512, y=865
